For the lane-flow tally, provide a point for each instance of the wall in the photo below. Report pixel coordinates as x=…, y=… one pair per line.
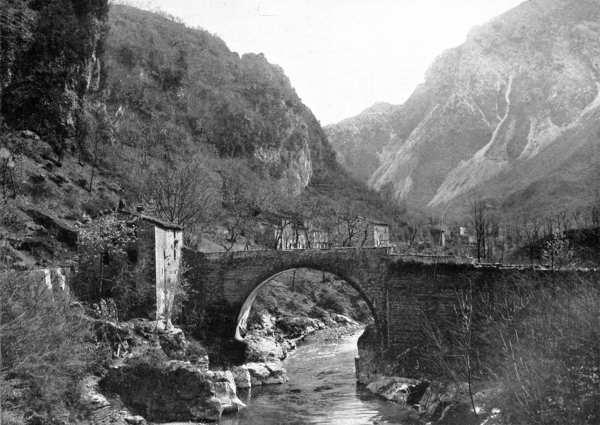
x=381, y=235
x=168, y=244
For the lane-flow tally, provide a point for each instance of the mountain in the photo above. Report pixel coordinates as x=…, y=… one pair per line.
x=101, y=106
x=510, y=115
x=164, y=77
x=349, y=139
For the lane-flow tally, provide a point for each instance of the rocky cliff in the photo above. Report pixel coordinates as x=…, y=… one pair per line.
x=511, y=115
x=48, y=62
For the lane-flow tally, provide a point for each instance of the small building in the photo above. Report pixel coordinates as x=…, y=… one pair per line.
x=438, y=235
x=159, y=243
x=292, y=234
x=318, y=239
x=378, y=234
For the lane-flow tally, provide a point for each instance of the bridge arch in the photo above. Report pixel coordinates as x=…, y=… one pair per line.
x=225, y=284
x=242, y=318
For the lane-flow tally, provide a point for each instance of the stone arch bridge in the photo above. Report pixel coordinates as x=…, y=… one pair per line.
x=399, y=289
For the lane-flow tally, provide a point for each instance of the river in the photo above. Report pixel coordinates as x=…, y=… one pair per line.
x=322, y=390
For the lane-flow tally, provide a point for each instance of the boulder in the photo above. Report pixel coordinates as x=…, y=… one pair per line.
x=134, y=337
x=172, y=390
x=271, y=373
x=340, y=319
x=225, y=391
x=404, y=391
x=297, y=327
x=242, y=377
x=439, y=396
x=263, y=349
x=62, y=231
x=98, y=408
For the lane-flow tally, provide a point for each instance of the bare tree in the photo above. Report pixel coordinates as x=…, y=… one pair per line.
x=480, y=223
x=244, y=198
x=187, y=195
x=464, y=337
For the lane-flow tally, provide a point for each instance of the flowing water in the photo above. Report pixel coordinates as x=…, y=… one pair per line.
x=322, y=390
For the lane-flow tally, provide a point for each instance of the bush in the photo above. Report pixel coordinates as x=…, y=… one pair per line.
x=539, y=342
x=551, y=368
x=329, y=301
x=109, y=268
x=47, y=345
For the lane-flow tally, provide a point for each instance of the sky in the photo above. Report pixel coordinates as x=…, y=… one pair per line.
x=341, y=56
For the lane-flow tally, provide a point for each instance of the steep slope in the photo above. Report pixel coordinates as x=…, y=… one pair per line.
x=512, y=109
x=358, y=141
x=183, y=87
x=115, y=98
x=48, y=62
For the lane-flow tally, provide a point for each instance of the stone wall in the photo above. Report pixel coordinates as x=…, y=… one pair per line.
x=167, y=248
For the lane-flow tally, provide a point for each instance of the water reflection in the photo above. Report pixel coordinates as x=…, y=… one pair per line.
x=322, y=390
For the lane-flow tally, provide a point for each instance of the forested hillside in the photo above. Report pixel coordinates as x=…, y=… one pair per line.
x=106, y=106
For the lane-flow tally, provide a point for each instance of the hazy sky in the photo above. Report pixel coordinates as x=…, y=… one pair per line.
x=341, y=55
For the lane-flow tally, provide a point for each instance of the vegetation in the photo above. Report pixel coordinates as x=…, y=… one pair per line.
x=44, y=83
x=47, y=347
x=109, y=268
x=308, y=294
x=539, y=345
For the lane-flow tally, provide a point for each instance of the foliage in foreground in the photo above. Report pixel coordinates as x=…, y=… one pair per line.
x=551, y=368
x=47, y=347
x=539, y=344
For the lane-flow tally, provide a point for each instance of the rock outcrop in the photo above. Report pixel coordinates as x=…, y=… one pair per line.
x=172, y=390
x=271, y=373
x=48, y=62
x=511, y=115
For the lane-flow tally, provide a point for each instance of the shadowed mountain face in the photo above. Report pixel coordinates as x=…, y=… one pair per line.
x=510, y=115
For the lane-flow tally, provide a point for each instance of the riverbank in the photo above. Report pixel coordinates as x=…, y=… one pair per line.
x=321, y=389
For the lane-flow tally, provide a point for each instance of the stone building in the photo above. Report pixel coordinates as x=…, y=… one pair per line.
x=439, y=234
x=378, y=234
x=159, y=245
x=292, y=235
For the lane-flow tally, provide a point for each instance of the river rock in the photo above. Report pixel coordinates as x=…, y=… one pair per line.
x=225, y=391
x=172, y=390
x=271, y=373
x=263, y=349
x=296, y=327
x=404, y=391
x=340, y=319
x=98, y=408
x=242, y=377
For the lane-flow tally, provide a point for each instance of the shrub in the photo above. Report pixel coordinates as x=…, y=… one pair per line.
x=329, y=301
x=539, y=341
x=46, y=344
x=551, y=362
x=109, y=268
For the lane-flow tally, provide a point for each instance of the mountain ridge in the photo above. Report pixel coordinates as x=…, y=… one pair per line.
x=519, y=84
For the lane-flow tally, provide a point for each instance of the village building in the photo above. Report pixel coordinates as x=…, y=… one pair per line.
x=159, y=245
x=378, y=234
x=438, y=235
